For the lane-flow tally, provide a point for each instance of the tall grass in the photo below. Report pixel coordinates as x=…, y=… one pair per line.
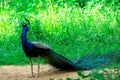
x=70, y=30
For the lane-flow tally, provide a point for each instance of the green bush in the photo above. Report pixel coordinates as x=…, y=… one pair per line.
x=104, y=74
x=69, y=29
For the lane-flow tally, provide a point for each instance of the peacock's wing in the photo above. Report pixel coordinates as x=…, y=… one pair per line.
x=54, y=58
x=40, y=45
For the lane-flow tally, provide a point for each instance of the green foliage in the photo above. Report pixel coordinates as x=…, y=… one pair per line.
x=82, y=75
x=104, y=74
x=98, y=74
x=51, y=79
x=69, y=29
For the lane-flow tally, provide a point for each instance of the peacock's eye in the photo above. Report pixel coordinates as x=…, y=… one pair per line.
x=23, y=24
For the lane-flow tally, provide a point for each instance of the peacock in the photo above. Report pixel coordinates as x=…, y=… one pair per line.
x=90, y=61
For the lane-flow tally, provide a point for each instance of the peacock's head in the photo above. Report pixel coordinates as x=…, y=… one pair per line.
x=24, y=25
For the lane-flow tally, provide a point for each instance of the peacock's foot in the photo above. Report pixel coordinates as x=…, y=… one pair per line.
x=37, y=76
x=32, y=76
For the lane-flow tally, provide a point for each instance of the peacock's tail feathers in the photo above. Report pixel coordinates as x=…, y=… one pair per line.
x=93, y=60
x=89, y=61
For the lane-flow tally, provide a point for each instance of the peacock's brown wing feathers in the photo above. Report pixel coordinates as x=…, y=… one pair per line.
x=40, y=45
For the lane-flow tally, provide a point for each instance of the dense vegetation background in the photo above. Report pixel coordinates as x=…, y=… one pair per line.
x=72, y=28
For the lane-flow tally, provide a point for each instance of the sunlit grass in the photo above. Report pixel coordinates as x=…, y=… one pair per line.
x=69, y=30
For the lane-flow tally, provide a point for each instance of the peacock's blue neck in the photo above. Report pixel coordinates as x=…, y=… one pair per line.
x=23, y=36
x=25, y=43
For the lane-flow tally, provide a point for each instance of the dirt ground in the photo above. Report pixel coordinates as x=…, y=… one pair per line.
x=23, y=72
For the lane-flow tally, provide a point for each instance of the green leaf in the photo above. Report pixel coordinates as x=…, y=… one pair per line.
x=82, y=75
x=69, y=79
x=97, y=75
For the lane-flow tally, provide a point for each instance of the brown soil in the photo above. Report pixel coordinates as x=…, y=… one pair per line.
x=23, y=72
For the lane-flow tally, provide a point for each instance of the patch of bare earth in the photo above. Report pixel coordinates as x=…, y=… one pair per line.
x=46, y=72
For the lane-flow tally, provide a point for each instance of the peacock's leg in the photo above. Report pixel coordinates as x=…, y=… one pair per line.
x=31, y=66
x=37, y=60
